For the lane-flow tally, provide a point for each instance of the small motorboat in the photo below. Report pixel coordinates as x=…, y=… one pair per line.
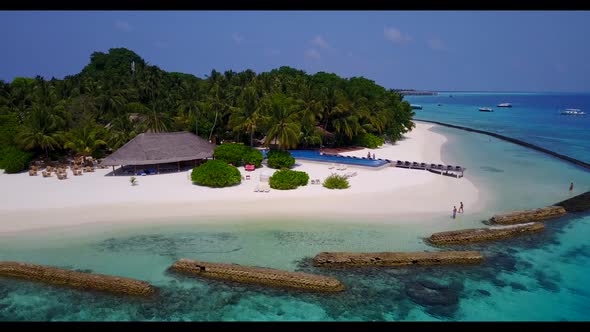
x=505, y=105
x=416, y=107
x=485, y=109
x=572, y=111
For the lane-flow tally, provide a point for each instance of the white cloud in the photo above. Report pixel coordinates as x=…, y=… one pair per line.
x=320, y=42
x=312, y=54
x=436, y=44
x=237, y=38
x=395, y=35
x=271, y=52
x=123, y=25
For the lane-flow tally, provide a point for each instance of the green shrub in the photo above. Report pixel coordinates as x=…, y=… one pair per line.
x=216, y=173
x=238, y=154
x=336, y=181
x=280, y=159
x=231, y=153
x=288, y=179
x=14, y=160
x=253, y=157
x=371, y=141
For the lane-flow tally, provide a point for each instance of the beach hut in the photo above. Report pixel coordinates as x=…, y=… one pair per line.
x=165, y=151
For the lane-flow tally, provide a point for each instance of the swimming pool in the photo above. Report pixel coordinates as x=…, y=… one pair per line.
x=315, y=156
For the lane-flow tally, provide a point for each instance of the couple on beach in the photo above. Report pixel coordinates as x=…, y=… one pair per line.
x=455, y=210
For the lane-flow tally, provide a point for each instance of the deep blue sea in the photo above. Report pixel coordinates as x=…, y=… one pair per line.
x=534, y=117
x=540, y=277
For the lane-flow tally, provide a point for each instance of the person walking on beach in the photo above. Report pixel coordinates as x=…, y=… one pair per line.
x=571, y=186
x=461, y=208
x=454, y=212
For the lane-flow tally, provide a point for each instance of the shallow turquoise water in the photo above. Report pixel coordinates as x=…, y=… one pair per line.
x=535, y=277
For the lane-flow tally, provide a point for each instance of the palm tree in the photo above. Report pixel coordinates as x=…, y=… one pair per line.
x=155, y=120
x=284, y=118
x=84, y=141
x=40, y=131
x=248, y=116
x=122, y=130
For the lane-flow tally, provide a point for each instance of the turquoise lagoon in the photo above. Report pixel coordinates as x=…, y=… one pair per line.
x=536, y=277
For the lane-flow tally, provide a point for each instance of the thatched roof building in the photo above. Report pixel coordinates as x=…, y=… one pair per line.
x=161, y=148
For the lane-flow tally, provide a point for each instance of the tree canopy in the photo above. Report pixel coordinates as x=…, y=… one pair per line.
x=119, y=95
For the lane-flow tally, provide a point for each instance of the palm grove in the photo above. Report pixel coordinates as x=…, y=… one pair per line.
x=118, y=95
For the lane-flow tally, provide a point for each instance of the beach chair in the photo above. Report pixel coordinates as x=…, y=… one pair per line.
x=317, y=181
x=312, y=181
x=343, y=168
x=32, y=172
x=247, y=177
x=46, y=174
x=332, y=166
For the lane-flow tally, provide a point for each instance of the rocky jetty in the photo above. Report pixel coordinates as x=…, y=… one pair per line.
x=519, y=217
x=336, y=259
x=258, y=275
x=82, y=280
x=485, y=234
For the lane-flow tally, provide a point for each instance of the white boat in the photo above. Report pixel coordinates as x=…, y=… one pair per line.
x=416, y=107
x=572, y=111
x=505, y=105
x=485, y=109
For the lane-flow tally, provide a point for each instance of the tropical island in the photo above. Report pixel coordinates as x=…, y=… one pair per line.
x=247, y=122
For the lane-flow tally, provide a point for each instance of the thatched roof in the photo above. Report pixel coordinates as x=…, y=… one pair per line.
x=160, y=148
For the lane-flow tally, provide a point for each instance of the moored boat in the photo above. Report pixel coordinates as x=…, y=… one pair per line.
x=505, y=105
x=572, y=111
x=416, y=107
x=485, y=109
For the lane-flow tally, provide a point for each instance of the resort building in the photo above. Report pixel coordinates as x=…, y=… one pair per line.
x=152, y=153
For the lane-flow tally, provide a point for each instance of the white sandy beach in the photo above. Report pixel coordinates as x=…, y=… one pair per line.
x=386, y=195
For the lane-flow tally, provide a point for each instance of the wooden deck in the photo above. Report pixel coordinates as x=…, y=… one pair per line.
x=446, y=170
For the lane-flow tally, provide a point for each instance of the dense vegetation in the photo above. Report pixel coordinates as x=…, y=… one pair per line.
x=238, y=154
x=370, y=141
x=216, y=173
x=287, y=179
x=280, y=159
x=14, y=160
x=336, y=181
x=118, y=95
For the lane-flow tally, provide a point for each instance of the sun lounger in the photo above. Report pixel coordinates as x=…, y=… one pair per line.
x=46, y=174
x=32, y=172
x=312, y=181
x=247, y=177
x=332, y=166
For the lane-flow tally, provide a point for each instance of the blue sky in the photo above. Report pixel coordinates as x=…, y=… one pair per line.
x=439, y=50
